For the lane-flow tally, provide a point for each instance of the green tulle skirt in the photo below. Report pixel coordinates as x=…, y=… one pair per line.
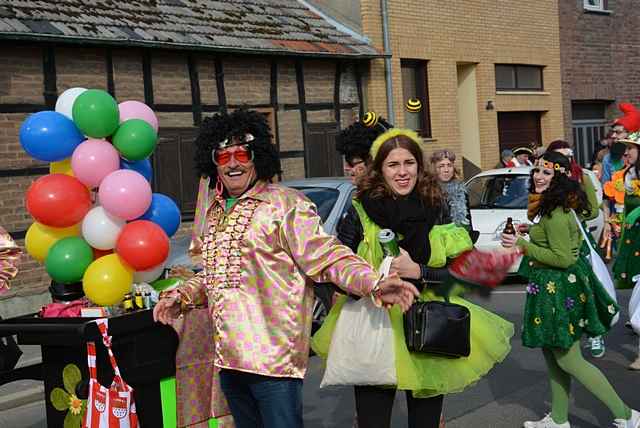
x=562, y=304
x=428, y=375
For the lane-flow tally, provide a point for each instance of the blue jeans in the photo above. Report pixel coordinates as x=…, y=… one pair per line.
x=259, y=401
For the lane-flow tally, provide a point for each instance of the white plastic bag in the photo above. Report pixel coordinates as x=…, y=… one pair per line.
x=634, y=308
x=361, y=350
x=600, y=269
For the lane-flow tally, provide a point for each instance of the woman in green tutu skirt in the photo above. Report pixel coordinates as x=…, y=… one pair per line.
x=397, y=193
x=564, y=297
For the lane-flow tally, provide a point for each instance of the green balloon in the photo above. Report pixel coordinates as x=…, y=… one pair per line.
x=96, y=114
x=135, y=139
x=68, y=259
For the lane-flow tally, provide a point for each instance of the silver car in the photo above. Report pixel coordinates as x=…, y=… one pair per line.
x=497, y=194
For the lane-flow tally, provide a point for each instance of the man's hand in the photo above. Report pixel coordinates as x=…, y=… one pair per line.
x=404, y=266
x=167, y=310
x=394, y=290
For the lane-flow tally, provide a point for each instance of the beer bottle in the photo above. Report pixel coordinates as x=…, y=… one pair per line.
x=509, y=229
x=127, y=303
x=138, y=300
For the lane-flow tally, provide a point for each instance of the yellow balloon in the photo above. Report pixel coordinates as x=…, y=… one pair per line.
x=40, y=238
x=61, y=167
x=107, y=280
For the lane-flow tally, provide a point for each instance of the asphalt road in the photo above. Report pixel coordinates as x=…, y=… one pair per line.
x=514, y=391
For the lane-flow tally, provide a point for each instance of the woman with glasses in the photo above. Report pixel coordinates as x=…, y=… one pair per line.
x=442, y=163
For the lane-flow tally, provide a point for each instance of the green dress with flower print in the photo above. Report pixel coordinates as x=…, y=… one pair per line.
x=627, y=264
x=564, y=297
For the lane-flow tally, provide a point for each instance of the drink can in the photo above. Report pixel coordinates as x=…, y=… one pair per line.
x=387, y=239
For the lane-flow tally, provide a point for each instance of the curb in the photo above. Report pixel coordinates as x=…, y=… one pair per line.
x=25, y=396
x=20, y=398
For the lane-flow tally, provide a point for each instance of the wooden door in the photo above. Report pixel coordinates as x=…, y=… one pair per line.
x=174, y=172
x=518, y=129
x=321, y=157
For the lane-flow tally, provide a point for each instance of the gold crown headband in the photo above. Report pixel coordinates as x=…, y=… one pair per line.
x=551, y=165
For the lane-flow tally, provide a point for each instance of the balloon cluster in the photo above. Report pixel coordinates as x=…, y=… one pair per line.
x=96, y=218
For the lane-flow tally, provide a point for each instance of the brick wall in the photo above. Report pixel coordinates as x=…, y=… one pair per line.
x=599, y=55
x=247, y=81
x=479, y=32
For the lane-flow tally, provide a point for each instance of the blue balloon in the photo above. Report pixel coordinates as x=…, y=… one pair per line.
x=143, y=167
x=49, y=136
x=163, y=212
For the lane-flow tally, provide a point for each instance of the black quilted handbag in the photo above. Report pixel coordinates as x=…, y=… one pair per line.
x=441, y=328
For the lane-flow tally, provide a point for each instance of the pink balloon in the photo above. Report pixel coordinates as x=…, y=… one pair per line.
x=137, y=110
x=125, y=194
x=93, y=160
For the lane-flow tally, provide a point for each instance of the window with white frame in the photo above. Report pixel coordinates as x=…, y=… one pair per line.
x=595, y=5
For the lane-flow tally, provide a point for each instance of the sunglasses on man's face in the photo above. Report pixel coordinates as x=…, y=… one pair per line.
x=242, y=154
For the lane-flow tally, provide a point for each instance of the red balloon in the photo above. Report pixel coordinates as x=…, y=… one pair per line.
x=142, y=244
x=58, y=200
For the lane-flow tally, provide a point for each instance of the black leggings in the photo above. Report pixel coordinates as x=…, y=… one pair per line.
x=374, y=405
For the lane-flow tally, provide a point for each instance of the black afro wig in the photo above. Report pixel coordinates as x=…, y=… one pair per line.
x=236, y=124
x=355, y=141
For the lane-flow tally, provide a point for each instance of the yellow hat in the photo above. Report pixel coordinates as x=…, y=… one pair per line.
x=413, y=105
x=393, y=133
x=370, y=119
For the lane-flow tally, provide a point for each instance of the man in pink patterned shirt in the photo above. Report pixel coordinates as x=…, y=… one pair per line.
x=262, y=248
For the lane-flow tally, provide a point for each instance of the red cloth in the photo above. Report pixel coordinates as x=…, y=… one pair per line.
x=484, y=268
x=63, y=310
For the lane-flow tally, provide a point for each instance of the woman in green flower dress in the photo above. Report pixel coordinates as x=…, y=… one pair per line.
x=627, y=264
x=564, y=297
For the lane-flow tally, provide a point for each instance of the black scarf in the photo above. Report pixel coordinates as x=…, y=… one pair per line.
x=408, y=216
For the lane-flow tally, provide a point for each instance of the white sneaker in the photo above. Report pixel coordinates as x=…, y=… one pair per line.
x=547, y=422
x=632, y=422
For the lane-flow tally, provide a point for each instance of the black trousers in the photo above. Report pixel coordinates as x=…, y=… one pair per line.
x=374, y=405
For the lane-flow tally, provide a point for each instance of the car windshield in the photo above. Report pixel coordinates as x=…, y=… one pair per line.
x=323, y=197
x=506, y=191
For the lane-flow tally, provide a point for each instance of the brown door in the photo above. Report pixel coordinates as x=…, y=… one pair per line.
x=174, y=172
x=517, y=129
x=321, y=157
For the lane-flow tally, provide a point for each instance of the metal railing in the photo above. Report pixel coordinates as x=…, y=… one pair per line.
x=586, y=137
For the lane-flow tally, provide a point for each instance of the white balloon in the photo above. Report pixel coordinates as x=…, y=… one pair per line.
x=150, y=274
x=64, y=105
x=101, y=229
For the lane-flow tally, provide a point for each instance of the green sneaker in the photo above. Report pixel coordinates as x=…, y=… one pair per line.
x=597, y=346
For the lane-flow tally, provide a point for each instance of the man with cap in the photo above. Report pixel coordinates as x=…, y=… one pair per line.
x=261, y=244
x=506, y=159
x=522, y=156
